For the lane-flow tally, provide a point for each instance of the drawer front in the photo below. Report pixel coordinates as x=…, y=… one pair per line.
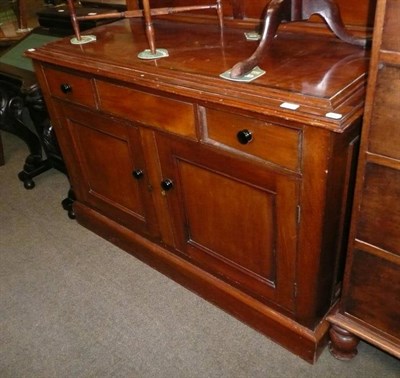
x=374, y=291
x=390, y=35
x=385, y=125
x=279, y=145
x=380, y=208
x=71, y=87
x=161, y=112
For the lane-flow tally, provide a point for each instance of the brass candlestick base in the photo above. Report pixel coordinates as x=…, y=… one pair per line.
x=83, y=40
x=149, y=55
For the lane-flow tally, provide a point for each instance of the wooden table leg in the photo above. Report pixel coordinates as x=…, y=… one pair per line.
x=149, y=26
x=276, y=12
x=74, y=20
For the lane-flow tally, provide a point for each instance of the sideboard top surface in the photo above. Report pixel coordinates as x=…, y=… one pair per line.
x=319, y=73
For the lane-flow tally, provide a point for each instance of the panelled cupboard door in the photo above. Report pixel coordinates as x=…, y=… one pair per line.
x=112, y=176
x=236, y=220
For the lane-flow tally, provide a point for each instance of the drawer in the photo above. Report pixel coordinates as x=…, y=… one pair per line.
x=71, y=87
x=161, y=112
x=385, y=125
x=390, y=35
x=374, y=291
x=263, y=140
x=380, y=208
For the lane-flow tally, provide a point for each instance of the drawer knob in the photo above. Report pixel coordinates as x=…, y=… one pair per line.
x=66, y=88
x=167, y=184
x=244, y=136
x=138, y=173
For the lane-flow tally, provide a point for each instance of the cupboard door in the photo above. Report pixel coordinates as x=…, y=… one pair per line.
x=111, y=177
x=236, y=220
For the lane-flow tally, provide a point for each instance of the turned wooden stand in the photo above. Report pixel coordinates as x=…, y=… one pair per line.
x=279, y=11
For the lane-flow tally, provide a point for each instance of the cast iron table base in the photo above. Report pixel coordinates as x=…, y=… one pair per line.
x=20, y=99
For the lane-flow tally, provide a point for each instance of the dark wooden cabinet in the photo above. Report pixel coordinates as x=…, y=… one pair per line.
x=370, y=304
x=239, y=191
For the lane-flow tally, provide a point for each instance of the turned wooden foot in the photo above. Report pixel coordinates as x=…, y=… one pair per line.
x=343, y=344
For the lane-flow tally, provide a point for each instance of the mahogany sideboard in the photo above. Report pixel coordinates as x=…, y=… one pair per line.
x=241, y=192
x=370, y=304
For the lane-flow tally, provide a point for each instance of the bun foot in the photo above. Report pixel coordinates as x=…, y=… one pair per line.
x=343, y=344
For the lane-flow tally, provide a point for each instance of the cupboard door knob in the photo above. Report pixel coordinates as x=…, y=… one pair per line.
x=167, y=184
x=244, y=136
x=66, y=88
x=138, y=173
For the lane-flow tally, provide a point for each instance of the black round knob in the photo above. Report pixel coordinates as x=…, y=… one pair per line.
x=137, y=174
x=244, y=136
x=66, y=88
x=167, y=184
